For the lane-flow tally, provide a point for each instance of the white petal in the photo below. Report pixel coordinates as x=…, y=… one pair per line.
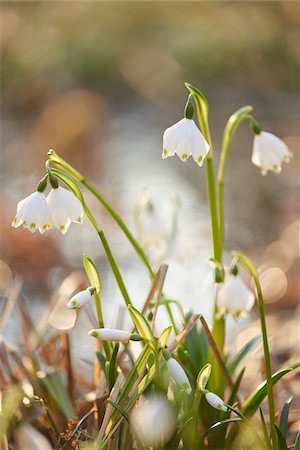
x=269, y=152
x=64, y=208
x=179, y=375
x=185, y=139
x=234, y=296
x=32, y=212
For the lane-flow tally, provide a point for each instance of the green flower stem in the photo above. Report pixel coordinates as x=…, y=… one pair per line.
x=71, y=184
x=218, y=329
x=57, y=160
x=249, y=266
x=73, y=173
x=98, y=306
x=122, y=225
x=109, y=255
x=234, y=121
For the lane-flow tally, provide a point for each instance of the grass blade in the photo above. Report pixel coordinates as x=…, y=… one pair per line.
x=284, y=416
x=242, y=353
x=281, y=440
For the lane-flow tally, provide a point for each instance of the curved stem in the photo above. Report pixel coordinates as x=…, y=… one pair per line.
x=71, y=183
x=122, y=225
x=249, y=266
x=57, y=160
x=210, y=176
x=234, y=121
x=98, y=306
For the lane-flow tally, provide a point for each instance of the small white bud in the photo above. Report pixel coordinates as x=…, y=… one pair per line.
x=81, y=298
x=153, y=421
x=215, y=401
x=179, y=375
x=109, y=334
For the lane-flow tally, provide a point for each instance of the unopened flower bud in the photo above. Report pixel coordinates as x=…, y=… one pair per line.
x=215, y=401
x=179, y=375
x=81, y=298
x=110, y=334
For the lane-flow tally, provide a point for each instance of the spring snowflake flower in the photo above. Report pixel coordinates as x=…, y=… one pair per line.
x=269, y=152
x=179, y=375
x=64, y=208
x=33, y=213
x=215, y=401
x=185, y=139
x=234, y=297
x=81, y=298
x=109, y=334
x=153, y=421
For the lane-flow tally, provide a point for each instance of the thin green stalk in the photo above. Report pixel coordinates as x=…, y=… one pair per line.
x=234, y=121
x=122, y=225
x=267, y=360
x=210, y=176
x=98, y=306
x=249, y=266
x=109, y=255
x=57, y=160
x=70, y=182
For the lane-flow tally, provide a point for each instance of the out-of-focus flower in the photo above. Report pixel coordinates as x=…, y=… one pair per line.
x=178, y=374
x=185, y=139
x=81, y=298
x=234, y=297
x=33, y=213
x=110, y=334
x=153, y=421
x=64, y=208
x=269, y=152
x=215, y=401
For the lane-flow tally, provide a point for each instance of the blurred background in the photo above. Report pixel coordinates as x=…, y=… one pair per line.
x=99, y=82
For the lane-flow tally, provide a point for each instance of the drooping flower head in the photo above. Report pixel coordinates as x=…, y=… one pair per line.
x=269, y=152
x=32, y=213
x=234, y=297
x=64, y=208
x=184, y=139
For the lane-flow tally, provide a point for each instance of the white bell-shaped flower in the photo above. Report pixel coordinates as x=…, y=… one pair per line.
x=269, y=152
x=185, y=139
x=81, y=298
x=33, y=213
x=110, y=334
x=153, y=421
x=64, y=208
x=178, y=374
x=234, y=297
x=215, y=401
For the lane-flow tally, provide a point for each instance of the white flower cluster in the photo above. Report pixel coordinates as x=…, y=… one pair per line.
x=59, y=209
x=184, y=139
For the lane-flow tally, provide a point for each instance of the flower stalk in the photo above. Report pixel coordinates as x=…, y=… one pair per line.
x=249, y=266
